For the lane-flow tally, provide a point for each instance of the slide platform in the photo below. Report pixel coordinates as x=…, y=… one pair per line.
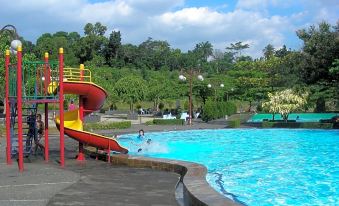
x=94, y=97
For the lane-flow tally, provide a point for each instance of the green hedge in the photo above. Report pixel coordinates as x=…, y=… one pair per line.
x=168, y=121
x=317, y=125
x=2, y=131
x=306, y=125
x=234, y=123
x=111, y=125
x=215, y=110
x=150, y=122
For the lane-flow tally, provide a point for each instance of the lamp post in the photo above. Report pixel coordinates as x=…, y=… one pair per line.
x=228, y=92
x=215, y=90
x=15, y=48
x=15, y=43
x=183, y=78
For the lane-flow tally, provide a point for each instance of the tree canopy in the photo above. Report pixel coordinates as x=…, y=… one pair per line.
x=155, y=65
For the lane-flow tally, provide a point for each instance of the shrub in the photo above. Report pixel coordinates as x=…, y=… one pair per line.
x=150, y=122
x=2, y=131
x=306, y=125
x=111, y=125
x=138, y=106
x=168, y=121
x=316, y=125
x=234, y=123
x=214, y=110
x=267, y=124
x=161, y=106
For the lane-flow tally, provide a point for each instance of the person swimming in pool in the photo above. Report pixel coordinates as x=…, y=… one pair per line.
x=141, y=137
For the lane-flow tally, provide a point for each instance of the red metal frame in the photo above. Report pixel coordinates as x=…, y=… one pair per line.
x=109, y=152
x=20, y=102
x=32, y=101
x=8, y=124
x=46, y=148
x=61, y=106
x=19, y=108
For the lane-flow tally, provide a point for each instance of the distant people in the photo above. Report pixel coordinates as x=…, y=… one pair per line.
x=31, y=130
x=297, y=118
x=71, y=106
x=40, y=127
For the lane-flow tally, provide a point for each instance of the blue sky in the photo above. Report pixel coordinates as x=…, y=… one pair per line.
x=183, y=23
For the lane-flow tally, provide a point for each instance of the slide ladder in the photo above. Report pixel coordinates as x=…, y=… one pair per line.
x=29, y=128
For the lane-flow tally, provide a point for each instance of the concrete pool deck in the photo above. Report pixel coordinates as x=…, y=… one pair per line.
x=92, y=183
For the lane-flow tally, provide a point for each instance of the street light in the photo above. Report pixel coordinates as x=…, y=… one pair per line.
x=232, y=89
x=15, y=42
x=183, y=78
x=215, y=90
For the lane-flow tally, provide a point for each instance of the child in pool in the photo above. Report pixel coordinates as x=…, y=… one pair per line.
x=141, y=137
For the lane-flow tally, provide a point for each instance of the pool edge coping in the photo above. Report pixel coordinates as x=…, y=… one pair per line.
x=196, y=190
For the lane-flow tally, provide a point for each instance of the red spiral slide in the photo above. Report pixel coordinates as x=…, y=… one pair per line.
x=93, y=99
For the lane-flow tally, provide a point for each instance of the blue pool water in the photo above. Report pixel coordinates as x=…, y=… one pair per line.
x=257, y=166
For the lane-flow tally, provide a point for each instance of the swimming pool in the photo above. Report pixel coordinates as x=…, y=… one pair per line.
x=258, y=166
x=303, y=117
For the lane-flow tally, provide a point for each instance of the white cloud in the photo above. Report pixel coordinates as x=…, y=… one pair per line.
x=183, y=27
x=221, y=29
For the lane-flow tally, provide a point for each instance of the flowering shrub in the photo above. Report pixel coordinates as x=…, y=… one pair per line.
x=284, y=102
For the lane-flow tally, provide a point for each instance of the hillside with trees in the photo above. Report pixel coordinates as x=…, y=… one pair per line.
x=149, y=72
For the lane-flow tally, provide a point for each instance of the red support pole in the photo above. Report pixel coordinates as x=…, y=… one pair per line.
x=8, y=117
x=61, y=106
x=81, y=156
x=19, y=108
x=109, y=152
x=46, y=74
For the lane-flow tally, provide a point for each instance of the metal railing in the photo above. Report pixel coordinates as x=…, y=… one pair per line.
x=77, y=74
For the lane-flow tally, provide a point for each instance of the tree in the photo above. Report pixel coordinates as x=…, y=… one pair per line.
x=154, y=54
x=97, y=29
x=321, y=48
x=237, y=48
x=52, y=42
x=284, y=102
x=113, y=46
x=131, y=89
x=93, y=43
x=203, y=50
x=268, y=51
x=282, y=52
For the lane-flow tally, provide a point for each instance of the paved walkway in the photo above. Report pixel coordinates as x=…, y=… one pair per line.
x=103, y=184
x=92, y=183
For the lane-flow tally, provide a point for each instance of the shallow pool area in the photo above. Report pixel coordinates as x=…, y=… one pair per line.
x=256, y=166
x=299, y=117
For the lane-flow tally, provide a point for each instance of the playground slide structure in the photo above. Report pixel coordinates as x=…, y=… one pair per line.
x=29, y=83
x=93, y=97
